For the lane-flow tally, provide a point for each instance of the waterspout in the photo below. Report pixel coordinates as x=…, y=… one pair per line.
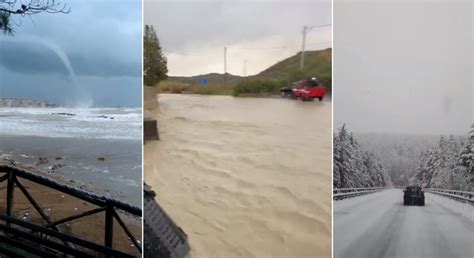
x=81, y=98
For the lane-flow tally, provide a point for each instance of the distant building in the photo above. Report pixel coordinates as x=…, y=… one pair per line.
x=25, y=103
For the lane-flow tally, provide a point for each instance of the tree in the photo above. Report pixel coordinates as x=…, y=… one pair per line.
x=10, y=8
x=154, y=62
x=448, y=164
x=5, y=23
x=353, y=166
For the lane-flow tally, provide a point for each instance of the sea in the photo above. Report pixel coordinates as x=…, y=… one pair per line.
x=93, y=123
x=96, y=149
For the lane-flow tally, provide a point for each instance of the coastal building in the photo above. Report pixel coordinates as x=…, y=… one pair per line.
x=25, y=103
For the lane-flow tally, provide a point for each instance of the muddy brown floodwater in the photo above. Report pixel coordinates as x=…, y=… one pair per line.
x=245, y=177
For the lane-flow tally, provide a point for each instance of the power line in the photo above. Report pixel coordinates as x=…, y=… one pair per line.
x=260, y=48
x=181, y=53
x=174, y=52
x=306, y=29
x=319, y=43
x=320, y=26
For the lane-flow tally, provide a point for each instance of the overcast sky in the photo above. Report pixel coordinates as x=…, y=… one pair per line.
x=102, y=40
x=403, y=66
x=263, y=32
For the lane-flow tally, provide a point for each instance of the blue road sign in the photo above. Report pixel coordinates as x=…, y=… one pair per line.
x=203, y=82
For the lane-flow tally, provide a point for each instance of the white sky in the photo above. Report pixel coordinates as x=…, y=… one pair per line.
x=403, y=66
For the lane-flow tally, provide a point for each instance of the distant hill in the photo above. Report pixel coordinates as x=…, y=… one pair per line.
x=317, y=64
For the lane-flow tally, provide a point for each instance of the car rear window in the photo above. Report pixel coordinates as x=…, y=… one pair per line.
x=413, y=189
x=312, y=84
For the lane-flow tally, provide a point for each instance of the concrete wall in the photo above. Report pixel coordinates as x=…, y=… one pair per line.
x=150, y=101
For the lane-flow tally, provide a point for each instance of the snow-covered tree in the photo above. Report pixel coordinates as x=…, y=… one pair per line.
x=448, y=164
x=353, y=166
x=399, y=153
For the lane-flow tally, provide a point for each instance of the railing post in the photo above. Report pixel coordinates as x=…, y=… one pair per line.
x=109, y=226
x=12, y=175
x=10, y=191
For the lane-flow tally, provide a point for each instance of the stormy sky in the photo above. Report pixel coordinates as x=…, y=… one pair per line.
x=258, y=32
x=101, y=40
x=403, y=66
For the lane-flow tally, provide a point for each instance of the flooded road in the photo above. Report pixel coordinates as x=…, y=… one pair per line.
x=245, y=177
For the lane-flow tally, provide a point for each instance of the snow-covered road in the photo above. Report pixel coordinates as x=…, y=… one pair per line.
x=378, y=225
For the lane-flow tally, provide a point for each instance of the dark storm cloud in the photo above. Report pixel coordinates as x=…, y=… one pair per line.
x=100, y=38
x=24, y=57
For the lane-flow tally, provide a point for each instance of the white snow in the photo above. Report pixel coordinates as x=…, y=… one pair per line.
x=378, y=225
x=354, y=167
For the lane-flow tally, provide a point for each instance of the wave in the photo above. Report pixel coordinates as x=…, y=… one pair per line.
x=106, y=123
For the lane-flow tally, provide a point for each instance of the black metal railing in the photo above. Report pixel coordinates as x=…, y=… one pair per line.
x=49, y=238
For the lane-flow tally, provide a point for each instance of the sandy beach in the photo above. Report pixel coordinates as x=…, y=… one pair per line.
x=245, y=177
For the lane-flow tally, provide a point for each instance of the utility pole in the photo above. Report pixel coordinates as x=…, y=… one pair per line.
x=245, y=68
x=302, y=47
x=305, y=30
x=225, y=66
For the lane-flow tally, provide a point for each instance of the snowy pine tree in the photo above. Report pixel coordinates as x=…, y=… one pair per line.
x=354, y=167
x=448, y=165
x=465, y=165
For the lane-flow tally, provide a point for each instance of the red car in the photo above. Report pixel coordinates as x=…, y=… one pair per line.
x=309, y=89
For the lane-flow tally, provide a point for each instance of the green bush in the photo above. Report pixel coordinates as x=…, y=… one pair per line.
x=172, y=87
x=212, y=89
x=258, y=86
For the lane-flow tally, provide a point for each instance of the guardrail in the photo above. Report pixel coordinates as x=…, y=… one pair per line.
x=343, y=193
x=49, y=235
x=454, y=194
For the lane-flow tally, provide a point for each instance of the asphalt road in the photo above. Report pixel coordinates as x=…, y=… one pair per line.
x=379, y=226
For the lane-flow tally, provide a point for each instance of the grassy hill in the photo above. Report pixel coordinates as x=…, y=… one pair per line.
x=317, y=64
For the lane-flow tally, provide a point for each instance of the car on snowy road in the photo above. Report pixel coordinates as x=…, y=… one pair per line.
x=413, y=195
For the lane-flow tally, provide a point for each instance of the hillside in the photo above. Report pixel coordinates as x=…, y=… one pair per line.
x=317, y=63
x=398, y=153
